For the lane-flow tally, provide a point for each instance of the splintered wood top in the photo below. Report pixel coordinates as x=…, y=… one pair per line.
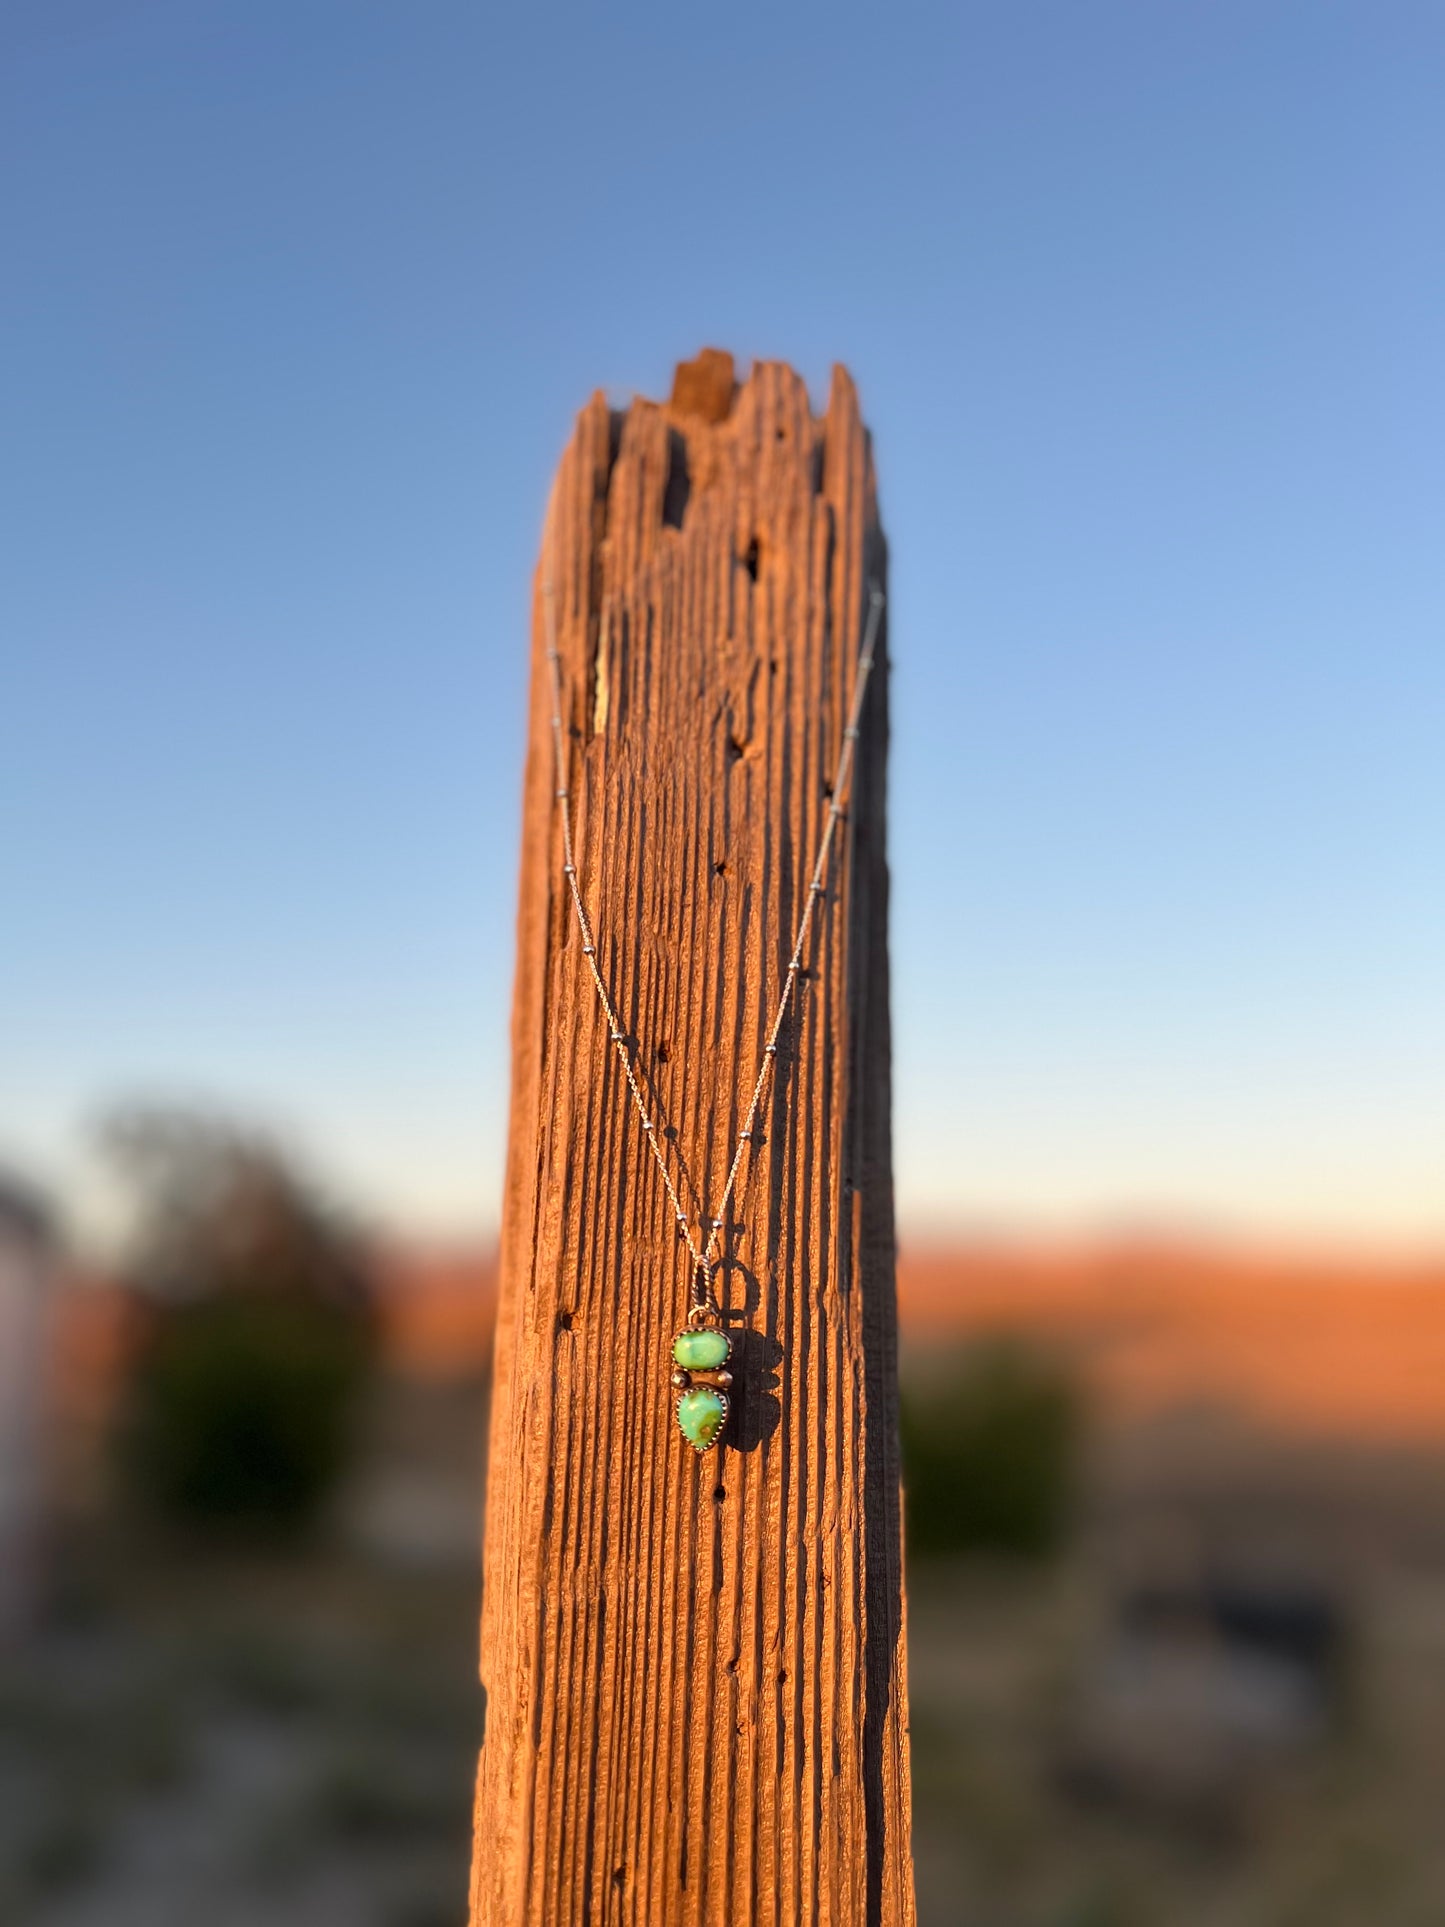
x=695, y=1665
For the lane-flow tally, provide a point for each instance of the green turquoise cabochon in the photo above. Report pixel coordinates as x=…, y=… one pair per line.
x=700, y=1413
x=701, y=1351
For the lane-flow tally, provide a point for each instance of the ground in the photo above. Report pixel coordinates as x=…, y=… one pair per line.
x=289, y=1736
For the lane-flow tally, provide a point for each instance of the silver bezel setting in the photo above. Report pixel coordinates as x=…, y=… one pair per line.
x=701, y=1379
x=727, y=1405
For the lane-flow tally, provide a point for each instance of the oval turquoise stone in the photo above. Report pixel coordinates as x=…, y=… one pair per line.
x=700, y=1413
x=701, y=1351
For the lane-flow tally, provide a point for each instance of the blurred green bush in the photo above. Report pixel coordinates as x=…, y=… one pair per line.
x=241, y=1407
x=991, y=1446
x=255, y=1332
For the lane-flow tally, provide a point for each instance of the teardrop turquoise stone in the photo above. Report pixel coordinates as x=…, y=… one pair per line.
x=701, y=1351
x=700, y=1413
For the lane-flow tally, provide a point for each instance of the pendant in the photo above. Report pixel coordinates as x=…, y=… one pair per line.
x=700, y=1355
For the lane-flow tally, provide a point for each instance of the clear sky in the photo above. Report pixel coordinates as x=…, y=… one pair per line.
x=1146, y=303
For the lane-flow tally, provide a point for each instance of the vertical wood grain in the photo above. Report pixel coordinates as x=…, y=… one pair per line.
x=695, y=1667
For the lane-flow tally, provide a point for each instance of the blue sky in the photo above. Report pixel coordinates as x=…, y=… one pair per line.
x=1146, y=303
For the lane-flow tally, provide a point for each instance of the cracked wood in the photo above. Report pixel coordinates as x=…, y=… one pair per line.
x=695, y=1671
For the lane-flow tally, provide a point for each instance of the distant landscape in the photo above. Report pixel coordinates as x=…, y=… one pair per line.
x=1215, y=1697
x=1308, y=1342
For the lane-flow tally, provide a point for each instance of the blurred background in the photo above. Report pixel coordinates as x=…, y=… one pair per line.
x=1145, y=304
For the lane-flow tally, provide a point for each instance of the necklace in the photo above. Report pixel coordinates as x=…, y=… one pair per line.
x=701, y=1350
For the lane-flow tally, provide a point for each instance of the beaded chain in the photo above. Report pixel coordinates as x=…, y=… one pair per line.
x=700, y=1353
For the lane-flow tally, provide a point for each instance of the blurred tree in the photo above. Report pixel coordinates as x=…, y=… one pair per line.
x=990, y=1451
x=255, y=1325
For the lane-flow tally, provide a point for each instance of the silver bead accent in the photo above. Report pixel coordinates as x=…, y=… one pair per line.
x=704, y=1255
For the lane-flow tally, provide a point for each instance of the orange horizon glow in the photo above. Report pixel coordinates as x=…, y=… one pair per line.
x=1305, y=1343
x=1309, y=1341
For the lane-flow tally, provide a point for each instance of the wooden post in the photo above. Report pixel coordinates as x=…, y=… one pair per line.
x=695, y=1666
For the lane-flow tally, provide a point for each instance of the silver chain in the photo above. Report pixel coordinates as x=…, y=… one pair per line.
x=705, y=1255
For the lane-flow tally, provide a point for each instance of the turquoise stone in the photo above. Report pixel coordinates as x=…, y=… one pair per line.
x=701, y=1351
x=700, y=1413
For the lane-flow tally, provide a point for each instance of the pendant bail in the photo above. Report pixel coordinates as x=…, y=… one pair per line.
x=702, y=1298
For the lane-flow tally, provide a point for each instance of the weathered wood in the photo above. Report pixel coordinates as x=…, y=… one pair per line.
x=695, y=1670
